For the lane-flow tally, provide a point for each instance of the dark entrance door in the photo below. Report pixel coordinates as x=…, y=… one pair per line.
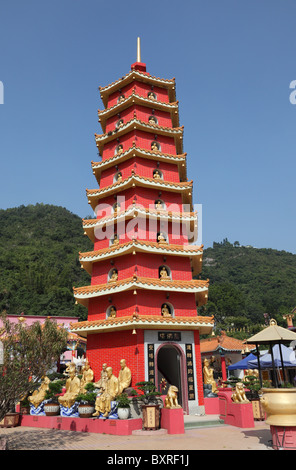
x=169, y=368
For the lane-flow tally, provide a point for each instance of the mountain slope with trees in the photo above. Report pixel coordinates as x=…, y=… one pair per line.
x=39, y=265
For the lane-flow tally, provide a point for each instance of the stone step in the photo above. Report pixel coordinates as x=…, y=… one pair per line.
x=192, y=421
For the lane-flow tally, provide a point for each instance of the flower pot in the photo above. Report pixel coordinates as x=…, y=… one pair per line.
x=123, y=413
x=279, y=405
x=10, y=420
x=52, y=409
x=85, y=410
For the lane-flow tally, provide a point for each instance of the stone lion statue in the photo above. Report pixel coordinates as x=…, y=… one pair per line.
x=239, y=395
x=171, y=400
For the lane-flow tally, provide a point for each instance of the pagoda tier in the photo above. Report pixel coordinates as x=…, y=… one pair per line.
x=142, y=289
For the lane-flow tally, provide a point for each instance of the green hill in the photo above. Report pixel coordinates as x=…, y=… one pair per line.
x=39, y=266
x=39, y=263
x=247, y=282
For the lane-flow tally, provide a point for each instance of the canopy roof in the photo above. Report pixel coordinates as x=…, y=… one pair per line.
x=244, y=363
x=272, y=334
x=266, y=360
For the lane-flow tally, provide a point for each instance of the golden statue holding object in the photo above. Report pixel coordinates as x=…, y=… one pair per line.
x=124, y=377
x=103, y=401
x=72, y=388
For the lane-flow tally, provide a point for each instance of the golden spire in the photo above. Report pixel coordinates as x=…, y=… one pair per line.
x=138, y=50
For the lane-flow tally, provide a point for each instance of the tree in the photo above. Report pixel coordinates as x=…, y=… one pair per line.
x=28, y=353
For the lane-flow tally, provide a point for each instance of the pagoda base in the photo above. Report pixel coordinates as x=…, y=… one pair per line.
x=118, y=427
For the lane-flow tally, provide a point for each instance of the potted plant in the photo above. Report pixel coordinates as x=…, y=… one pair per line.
x=123, y=406
x=150, y=408
x=252, y=383
x=51, y=405
x=86, y=401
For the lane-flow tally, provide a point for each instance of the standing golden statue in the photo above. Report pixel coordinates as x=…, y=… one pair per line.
x=208, y=375
x=103, y=401
x=72, y=389
x=124, y=377
x=87, y=375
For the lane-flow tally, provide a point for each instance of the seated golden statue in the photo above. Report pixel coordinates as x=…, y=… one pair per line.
x=156, y=175
x=161, y=238
x=119, y=179
x=154, y=147
x=239, y=395
x=112, y=312
x=114, y=276
x=120, y=99
x=120, y=123
x=208, y=375
x=171, y=400
x=124, y=377
x=151, y=95
x=103, y=401
x=152, y=120
x=72, y=389
x=37, y=396
x=165, y=311
x=115, y=240
x=164, y=273
x=102, y=383
x=158, y=205
x=119, y=150
x=87, y=375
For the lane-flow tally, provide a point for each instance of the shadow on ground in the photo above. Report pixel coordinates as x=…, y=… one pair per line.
x=263, y=436
x=39, y=440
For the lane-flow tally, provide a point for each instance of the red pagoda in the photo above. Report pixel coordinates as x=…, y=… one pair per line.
x=143, y=298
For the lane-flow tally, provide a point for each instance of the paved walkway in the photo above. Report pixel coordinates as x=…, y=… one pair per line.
x=205, y=438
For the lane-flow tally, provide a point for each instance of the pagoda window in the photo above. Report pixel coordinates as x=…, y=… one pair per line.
x=159, y=204
x=157, y=174
x=121, y=98
x=152, y=120
x=119, y=123
x=164, y=273
x=119, y=149
x=167, y=310
x=113, y=275
x=162, y=237
x=155, y=146
x=114, y=240
x=111, y=312
x=151, y=95
x=117, y=177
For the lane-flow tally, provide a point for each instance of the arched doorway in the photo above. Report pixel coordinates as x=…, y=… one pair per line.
x=170, y=367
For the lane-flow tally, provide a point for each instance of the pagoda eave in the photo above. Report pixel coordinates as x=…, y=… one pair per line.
x=203, y=324
x=132, y=99
x=197, y=287
x=142, y=77
x=94, y=195
x=134, y=151
x=135, y=124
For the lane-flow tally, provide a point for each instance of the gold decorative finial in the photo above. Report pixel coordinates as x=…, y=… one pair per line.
x=139, y=50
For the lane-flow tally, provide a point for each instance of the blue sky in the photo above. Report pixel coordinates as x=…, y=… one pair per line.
x=233, y=62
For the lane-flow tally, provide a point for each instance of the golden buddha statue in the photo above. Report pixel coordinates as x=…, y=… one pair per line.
x=154, y=147
x=151, y=95
x=165, y=311
x=112, y=312
x=152, y=120
x=120, y=99
x=103, y=401
x=161, y=238
x=164, y=273
x=115, y=240
x=101, y=384
x=119, y=179
x=72, y=389
x=87, y=375
x=119, y=150
x=114, y=276
x=158, y=204
x=156, y=175
x=37, y=396
x=124, y=376
x=208, y=375
x=120, y=123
